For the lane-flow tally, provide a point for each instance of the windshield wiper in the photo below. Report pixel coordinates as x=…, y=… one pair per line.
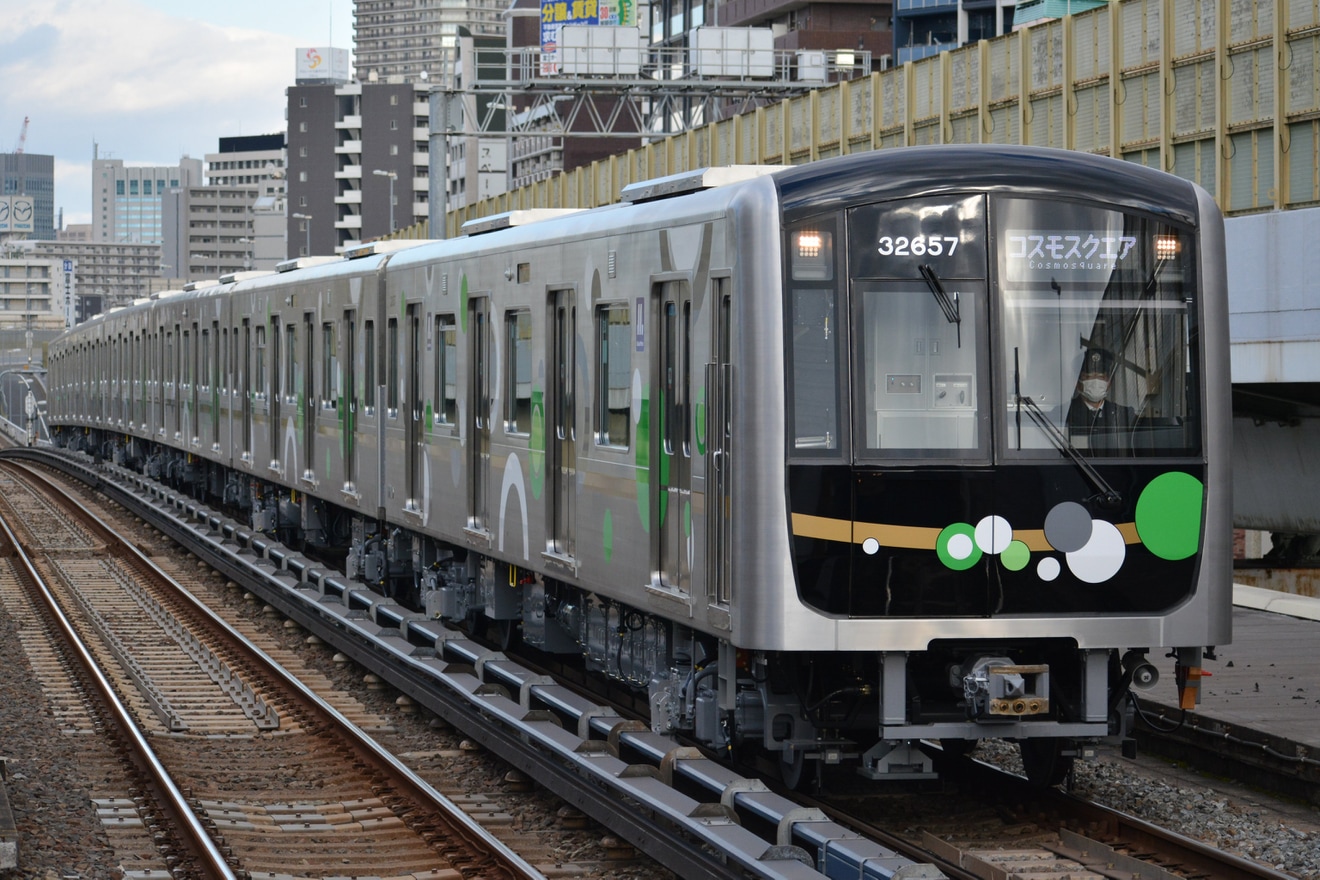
x=1108, y=496
x=948, y=304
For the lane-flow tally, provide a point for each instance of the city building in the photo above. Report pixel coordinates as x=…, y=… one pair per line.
x=209, y=231
x=927, y=27
x=256, y=161
x=358, y=162
x=74, y=232
x=29, y=174
x=311, y=186
x=126, y=199
x=415, y=41
x=105, y=274
x=33, y=295
x=1030, y=12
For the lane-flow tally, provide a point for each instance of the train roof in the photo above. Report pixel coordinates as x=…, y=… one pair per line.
x=908, y=171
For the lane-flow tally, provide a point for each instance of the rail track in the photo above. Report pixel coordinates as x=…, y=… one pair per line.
x=529, y=720
x=238, y=768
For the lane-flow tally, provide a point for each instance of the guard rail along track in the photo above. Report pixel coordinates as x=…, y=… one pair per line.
x=693, y=814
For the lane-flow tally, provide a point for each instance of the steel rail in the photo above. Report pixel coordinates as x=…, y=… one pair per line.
x=193, y=832
x=410, y=784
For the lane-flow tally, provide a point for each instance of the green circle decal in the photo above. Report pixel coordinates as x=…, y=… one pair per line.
x=1169, y=515
x=1015, y=556
x=956, y=547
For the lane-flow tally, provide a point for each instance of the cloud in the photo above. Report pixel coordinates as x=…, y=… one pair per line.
x=36, y=43
x=145, y=85
x=109, y=58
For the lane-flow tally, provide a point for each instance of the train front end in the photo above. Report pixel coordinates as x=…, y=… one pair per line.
x=1006, y=409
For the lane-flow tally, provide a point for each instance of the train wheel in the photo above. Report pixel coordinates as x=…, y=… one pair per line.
x=1044, y=761
x=505, y=633
x=958, y=748
x=790, y=769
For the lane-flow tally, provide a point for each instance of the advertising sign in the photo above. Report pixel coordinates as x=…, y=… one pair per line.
x=557, y=13
x=322, y=63
x=22, y=214
x=6, y=210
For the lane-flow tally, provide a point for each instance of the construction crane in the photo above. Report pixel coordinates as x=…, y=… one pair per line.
x=22, y=136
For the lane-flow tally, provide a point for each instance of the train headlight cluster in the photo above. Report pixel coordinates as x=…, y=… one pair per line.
x=1167, y=247
x=812, y=255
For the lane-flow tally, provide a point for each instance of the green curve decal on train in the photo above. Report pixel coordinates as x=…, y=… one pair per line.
x=644, y=463
x=536, y=443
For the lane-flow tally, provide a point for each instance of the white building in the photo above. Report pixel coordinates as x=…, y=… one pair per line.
x=126, y=199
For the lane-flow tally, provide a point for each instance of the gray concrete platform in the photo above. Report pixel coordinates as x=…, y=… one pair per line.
x=1268, y=679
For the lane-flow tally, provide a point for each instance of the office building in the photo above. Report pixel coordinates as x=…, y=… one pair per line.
x=126, y=199
x=256, y=161
x=30, y=174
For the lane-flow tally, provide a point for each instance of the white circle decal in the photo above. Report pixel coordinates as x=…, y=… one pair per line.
x=993, y=534
x=1048, y=568
x=960, y=547
x=1102, y=556
x=870, y=546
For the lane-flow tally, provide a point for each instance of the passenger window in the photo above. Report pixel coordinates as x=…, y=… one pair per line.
x=392, y=367
x=614, y=376
x=518, y=372
x=329, y=367
x=446, y=370
x=259, y=380
x=369, y=356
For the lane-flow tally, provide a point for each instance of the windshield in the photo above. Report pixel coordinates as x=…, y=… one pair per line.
x=1098, y=331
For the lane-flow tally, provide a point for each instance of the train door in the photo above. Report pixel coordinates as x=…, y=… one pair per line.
x=350, y=401
x=276, y=392
x=309, y=396
x=671, y=449
x=414, y=435
x=192, y=350
x=174, y=370
x=478, y=417
x=245, y=384
x=719, y=433
x=562, y=431
x=217, y=376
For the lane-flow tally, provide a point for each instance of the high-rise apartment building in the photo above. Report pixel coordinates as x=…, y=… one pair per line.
x=126, y=199
x=351, y=147
x=31, y=174
x=417, y=40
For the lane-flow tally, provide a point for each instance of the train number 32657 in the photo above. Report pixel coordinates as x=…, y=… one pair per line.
x=917, y=245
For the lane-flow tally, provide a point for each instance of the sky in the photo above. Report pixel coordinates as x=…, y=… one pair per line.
x=149, y=81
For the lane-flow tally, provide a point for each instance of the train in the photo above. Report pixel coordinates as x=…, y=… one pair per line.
x=821, y=462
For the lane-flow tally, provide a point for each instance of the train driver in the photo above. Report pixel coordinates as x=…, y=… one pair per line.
x=1091, y=411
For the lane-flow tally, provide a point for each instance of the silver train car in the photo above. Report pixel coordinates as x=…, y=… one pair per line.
x=928, y=443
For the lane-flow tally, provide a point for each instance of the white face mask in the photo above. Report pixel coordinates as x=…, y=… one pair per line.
x=1095, y=390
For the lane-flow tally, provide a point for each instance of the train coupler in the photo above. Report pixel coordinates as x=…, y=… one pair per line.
x=997, y=689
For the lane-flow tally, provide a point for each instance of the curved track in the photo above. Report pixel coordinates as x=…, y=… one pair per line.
x=252, y=772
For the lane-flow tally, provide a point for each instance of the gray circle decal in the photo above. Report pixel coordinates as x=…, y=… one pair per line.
x=1068, y=527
